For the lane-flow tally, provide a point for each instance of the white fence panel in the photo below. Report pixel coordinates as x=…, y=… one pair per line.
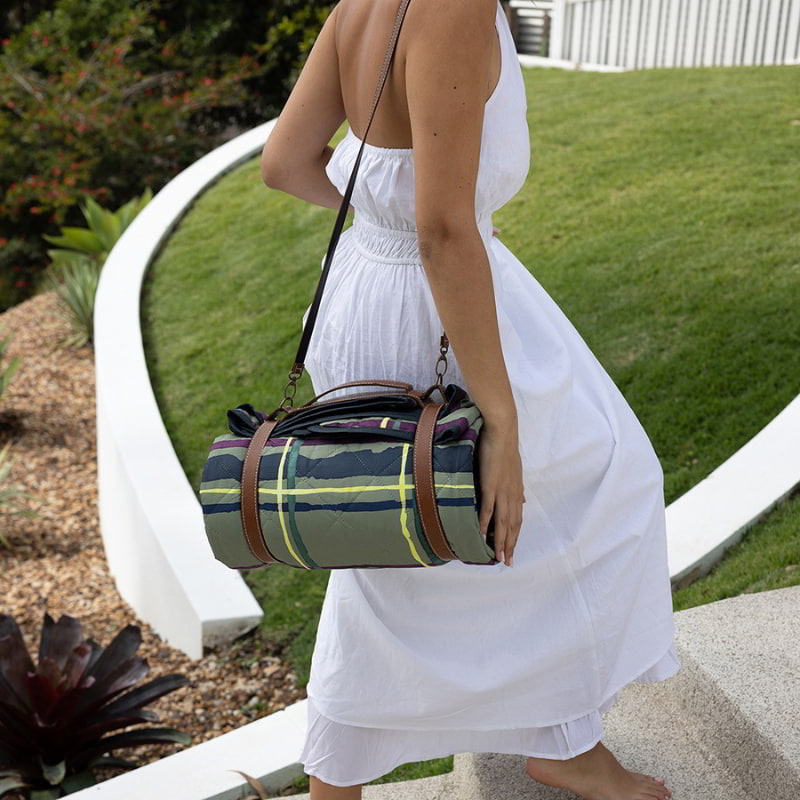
x=638, y=34
x=530, y=25
x=790, y=46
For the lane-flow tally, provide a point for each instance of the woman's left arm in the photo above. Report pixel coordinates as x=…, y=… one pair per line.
x=297, y=151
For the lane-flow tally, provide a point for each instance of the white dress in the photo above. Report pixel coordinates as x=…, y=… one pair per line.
x=414, y=664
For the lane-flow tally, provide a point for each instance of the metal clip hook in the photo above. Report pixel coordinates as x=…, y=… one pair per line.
x=290, y=389
x=443, y=346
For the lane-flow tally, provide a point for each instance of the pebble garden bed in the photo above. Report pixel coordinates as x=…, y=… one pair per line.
x=57, y=564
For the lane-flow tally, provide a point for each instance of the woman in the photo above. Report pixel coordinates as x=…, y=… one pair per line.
x=526, y=655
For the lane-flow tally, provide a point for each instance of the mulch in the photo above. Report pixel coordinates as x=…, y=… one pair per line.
x=58, y=565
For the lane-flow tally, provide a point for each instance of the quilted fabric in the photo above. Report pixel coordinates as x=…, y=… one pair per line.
x=336, y=485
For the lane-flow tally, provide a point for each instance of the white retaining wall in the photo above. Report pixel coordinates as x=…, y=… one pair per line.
x=266, y=749
x=714, y=514
x=150, y=519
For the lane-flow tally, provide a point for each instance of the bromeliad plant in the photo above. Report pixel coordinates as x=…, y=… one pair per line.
x=55, y=716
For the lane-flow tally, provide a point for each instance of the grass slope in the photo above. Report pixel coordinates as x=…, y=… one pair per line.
x=660, y=213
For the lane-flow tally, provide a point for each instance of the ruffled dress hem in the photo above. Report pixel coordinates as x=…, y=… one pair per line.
x=341, y=754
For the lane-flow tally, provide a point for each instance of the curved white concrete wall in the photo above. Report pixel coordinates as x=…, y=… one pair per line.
x=150, y=519
x=714, y=514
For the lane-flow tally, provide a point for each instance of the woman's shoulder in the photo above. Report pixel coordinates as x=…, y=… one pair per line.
x=453, y=13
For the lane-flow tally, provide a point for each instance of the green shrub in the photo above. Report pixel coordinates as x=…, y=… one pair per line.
x=102, y=96
x=20, y=268
x=112, y=113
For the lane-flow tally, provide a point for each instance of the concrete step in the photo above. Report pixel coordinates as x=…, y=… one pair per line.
x=726, y=726
x=641, y=734
x=738, y=691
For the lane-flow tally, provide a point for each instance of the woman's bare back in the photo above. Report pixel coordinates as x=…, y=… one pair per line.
x=363, y=28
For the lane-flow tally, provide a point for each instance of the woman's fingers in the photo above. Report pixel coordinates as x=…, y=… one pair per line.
x=506, y=546
x=504, y=538
x=487, y=507
x=508, y=521
x=502, y=493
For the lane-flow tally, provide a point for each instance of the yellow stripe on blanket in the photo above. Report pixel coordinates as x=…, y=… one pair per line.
x=403, y=511
x=371, y=488
x=280, y=492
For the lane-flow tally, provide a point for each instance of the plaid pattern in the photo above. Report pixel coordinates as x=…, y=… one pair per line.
x=336, y=484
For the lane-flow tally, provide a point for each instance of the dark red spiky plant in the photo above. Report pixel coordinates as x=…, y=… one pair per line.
x=65, y=715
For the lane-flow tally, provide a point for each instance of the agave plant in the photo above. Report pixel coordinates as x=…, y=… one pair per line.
x=76, y=290
x=10, y=495
x=79, y=258
x=8, y=371
x=55, y=716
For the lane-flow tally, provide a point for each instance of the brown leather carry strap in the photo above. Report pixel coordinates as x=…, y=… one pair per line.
x=413, y=394
x=424, y=483
x=251, y=519
x=390, y=384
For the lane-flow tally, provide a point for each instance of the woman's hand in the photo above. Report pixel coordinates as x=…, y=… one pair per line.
x=502, y=490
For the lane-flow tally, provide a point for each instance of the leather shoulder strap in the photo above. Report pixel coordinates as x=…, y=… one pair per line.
x=337, y=228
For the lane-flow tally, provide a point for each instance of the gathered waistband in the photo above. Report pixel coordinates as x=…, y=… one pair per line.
x=397, y=245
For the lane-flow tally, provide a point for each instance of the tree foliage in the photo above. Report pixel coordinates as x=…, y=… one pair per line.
x=101, y=98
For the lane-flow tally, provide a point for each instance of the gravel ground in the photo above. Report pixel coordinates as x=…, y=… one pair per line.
x=58, y=564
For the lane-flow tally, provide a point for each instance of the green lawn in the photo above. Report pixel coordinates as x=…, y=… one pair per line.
x=660, y=213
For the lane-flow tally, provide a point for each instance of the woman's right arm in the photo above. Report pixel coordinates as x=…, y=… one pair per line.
x=447, y=81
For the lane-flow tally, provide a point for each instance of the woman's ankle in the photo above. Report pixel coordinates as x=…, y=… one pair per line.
x=327, y=791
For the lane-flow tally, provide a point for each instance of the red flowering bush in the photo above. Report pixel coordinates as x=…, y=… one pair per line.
x=100, y=117
x=105, y=97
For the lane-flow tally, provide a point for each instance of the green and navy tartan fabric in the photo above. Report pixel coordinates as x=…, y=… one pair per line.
x=337, y=480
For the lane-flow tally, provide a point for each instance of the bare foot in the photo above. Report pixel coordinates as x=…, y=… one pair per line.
x=597, y=775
